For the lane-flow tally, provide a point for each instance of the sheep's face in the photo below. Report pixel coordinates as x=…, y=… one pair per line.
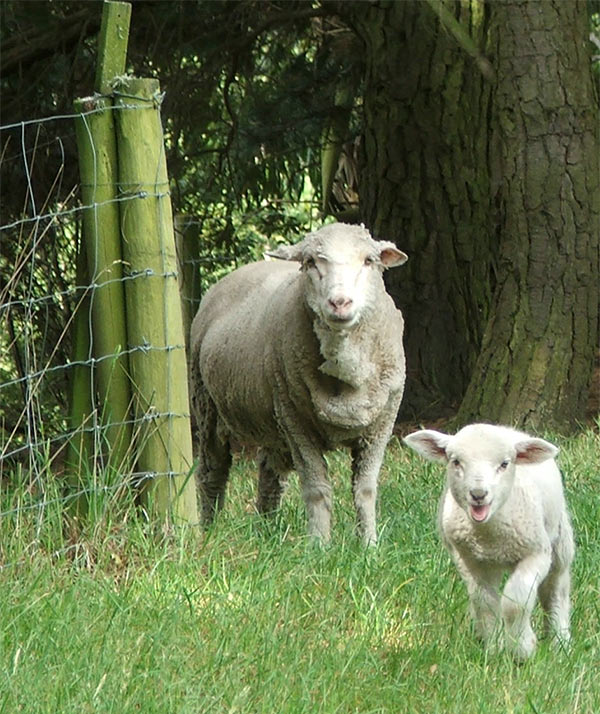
x=343, y=269
x=481, y=463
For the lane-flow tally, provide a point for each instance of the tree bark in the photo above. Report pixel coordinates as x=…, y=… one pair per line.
x=538, y=348
x=424, y=185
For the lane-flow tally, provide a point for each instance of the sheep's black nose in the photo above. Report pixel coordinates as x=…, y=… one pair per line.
x=478, y=494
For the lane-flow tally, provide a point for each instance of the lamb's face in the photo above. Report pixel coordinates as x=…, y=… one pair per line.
x=480, y=472
x=481, y=463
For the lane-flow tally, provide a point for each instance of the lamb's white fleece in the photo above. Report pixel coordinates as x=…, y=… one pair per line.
x=503, y=510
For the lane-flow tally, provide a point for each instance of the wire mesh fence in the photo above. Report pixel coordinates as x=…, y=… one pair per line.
x=45, y=299
x=57, y=428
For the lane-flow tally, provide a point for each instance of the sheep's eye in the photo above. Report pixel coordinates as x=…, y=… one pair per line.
x=456, y=463
x=309, y=263
x=504, y=465
x=369, y=260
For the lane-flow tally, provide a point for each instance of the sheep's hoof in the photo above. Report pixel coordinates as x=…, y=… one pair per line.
x=561, y=642
x=493, y=643
x=523, y=648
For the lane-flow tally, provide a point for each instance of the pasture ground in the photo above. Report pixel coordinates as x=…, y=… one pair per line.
x=250, y=617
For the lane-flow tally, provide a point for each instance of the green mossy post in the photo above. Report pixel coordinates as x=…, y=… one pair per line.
x=97, y=150
x=154, y=321
x=112, y=44
x=333, y=139
x=98, y=170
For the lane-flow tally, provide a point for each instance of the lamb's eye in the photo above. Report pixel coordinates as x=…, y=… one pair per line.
x=504, y=465
x=309, y=263
x=455, y=463
x=369, y=260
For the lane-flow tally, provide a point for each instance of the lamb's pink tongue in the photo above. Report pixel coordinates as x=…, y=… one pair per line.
x=479, y=513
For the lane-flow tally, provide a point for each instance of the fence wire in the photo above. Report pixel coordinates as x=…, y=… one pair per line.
x=40, y=296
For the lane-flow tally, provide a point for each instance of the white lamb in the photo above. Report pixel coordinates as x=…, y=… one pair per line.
x=299, y=356
x=503, y=510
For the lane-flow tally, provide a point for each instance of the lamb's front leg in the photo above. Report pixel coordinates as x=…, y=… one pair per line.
x=483, y=586
x=554, y=592
x=517, y=603
x=555, y=600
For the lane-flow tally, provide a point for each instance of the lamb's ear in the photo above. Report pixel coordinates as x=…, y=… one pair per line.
x=287, y=252
x=390, y=256
x=534, y=451
x=430, y=444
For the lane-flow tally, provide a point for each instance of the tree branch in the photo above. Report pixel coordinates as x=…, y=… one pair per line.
x=39, y=44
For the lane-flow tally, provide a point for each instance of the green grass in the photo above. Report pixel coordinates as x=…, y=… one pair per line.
x=251, y=617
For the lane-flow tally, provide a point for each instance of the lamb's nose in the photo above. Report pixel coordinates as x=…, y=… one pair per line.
x=478, y=494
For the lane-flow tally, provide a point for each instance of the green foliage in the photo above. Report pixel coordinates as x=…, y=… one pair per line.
x=38, y=297
x=249, y=87
x=259, y=81
x=251, y=617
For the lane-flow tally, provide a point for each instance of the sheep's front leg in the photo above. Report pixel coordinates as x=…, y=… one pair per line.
x=366, y=463
x=316, y=490
x=517, y=602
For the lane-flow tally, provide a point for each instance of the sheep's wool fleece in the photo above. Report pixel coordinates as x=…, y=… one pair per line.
x=268, y=372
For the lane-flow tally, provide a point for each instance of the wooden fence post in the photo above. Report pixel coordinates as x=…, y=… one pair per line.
x=128, y=220
x=188, y=256
x=98, y=170
x=97, y=151
x=154, y=320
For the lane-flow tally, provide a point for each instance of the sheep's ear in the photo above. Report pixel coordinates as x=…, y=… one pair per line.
x=430, y=444
x=390, y=256
x=287, y=252
x=534, y=451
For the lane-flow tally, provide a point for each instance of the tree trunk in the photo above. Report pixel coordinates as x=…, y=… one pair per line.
x=424, y=185
x=538, y=347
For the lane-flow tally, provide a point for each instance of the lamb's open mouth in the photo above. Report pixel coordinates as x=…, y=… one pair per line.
x=479, y=513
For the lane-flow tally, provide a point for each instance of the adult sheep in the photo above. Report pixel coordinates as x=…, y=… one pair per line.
x=299, y=356
x=503, y=510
